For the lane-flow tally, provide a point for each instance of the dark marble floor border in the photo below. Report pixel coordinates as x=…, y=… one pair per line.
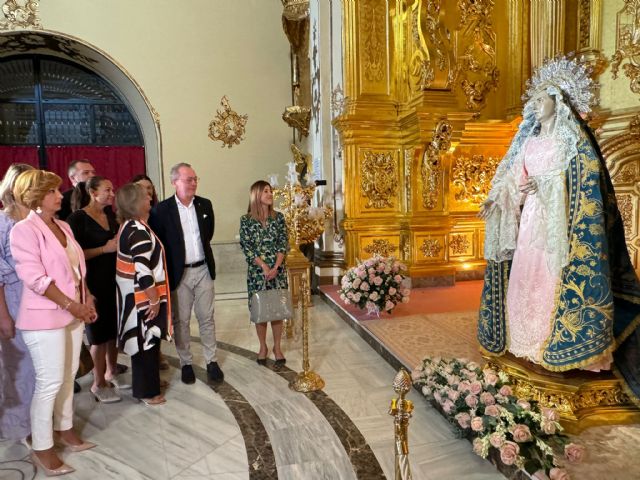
x=260, y=456
x=363, y=460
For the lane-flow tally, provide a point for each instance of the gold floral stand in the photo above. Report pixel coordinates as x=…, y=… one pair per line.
x=583, y=399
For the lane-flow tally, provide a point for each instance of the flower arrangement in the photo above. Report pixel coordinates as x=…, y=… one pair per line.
x=377, y=284
x=482, y=407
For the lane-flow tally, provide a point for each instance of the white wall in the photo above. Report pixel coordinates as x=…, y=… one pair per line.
x=186, y=56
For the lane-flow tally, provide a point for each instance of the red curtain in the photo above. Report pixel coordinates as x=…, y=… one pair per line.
x=118, y=164
x=10, y=154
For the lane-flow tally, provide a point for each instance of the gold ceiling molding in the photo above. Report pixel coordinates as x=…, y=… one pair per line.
x=477, y=70
x=20, y=14
x=432, y=47
x=471, y=177
x=628, y=44
x=227, y=127
x=373, y=16
x=431, y=167
x=380, y=247
x=379, y=179
x=431, y=247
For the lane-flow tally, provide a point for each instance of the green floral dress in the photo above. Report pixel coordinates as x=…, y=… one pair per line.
x=264, y=242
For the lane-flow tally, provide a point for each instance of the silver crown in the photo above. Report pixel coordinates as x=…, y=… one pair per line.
x=568, y=75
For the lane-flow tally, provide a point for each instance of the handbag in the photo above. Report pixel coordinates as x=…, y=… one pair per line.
x=271, y=305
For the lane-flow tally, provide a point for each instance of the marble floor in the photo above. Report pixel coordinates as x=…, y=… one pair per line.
x=252, y=426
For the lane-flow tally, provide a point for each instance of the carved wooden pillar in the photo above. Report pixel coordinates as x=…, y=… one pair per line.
x=519, y=60
x=547, y=29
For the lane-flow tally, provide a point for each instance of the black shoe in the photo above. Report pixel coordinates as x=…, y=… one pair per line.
x=261, y=361
x=214, y=373
x=188, y=376
x=120, y=368
x=280, y=361
x=76, y=387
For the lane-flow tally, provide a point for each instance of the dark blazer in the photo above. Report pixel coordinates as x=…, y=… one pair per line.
x=65, y=207
x=164, y=220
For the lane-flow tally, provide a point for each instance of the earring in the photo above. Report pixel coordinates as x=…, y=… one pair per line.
x=38, y=210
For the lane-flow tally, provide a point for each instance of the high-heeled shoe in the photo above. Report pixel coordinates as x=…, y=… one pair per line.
x=51, y=472
x=81, y=447
x=262, y=360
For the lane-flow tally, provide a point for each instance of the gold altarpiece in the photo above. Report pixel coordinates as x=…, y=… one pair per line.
x=433, y=93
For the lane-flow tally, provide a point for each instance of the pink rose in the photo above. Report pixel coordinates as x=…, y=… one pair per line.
x=416, y=374
x=559, y=474
x=364, y=286
x=453, y=395
x=465, y=386
x=505, y=390
x=464, y=419
x=477, y=446
x=490, y=378
x=447, y=406
x=397, y=278
x=437, y=397
x=487, y=398
x=476, y=424
x=496, y=439
x=356, y=283
x=471, y=400
x=521, y=433
x=509, y=452
x=548, y=427
x=389, y=305
x=492, y=411
x=392, y=291
x=475, y=387
x=550, y=414
x=574, y=453
x=405, y=299
x=522, y=403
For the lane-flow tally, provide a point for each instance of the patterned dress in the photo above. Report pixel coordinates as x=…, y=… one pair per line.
x=264, y=242
x=17, y=376
x=140, y=265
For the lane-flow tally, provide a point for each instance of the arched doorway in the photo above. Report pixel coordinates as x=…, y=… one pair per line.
x=88, y=57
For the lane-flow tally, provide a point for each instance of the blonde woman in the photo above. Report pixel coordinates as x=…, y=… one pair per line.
x=264, y=242
x=17, y=377
x=54, y=307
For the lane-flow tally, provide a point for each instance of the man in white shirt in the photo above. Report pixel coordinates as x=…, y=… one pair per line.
x=185, y=223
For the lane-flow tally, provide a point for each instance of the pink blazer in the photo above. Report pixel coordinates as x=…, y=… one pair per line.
x=42, y=260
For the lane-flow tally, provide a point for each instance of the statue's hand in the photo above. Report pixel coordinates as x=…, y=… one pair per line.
x=529, y=187
x=486, y=208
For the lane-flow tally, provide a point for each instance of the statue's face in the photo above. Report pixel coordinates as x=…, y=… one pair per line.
x=544, y=107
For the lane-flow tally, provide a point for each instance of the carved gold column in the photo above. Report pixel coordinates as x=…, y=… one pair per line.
x=547, y=29
x=518, y=54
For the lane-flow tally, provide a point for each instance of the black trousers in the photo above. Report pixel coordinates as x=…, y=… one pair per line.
x=145, y=373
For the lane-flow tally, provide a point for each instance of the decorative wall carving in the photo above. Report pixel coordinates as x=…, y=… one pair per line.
x=379, y=179
x=477, y=70
x=431, y=168
x=625, y=205
x=471, y=177
x=584, y=23
x=20, y=14
x=338, y=101
x=295, y=9
x=408, y=160
x=459, y=244
x=298, y=117
x=373, y=14
x=380, y=247
x=628, y=44
x=227, y=127
x=431, y=47
x=627, y=174
x=431, y=247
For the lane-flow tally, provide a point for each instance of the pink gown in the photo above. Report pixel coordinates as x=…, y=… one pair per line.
x=532, y=286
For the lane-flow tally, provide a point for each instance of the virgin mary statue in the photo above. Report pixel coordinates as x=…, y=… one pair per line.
x=559, y=288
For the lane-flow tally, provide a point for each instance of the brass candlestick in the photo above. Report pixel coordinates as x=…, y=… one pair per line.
x=307, y=380
x=401, y=411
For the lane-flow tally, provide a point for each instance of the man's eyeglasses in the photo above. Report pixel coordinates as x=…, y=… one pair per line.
x=191, y=179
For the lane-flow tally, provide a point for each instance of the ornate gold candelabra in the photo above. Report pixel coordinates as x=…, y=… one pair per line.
x=307, y=380
x=305, y=224
x=401, y=411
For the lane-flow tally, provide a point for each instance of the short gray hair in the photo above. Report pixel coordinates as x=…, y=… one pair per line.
x=127, y=201
x=174, y=174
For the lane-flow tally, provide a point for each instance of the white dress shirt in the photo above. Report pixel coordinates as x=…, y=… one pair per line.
x=193, y=251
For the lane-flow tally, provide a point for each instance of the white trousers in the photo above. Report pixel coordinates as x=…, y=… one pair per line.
x=56, y=356
x=196, y=292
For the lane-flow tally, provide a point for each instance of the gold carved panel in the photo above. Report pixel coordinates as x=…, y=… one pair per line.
x=471, y=178
x=430, y=248
x=379, y=245
x=628, y=44
x=431, y=171
x=461, y=244
x=19, y=14
x=373, y=46
x=379, y=180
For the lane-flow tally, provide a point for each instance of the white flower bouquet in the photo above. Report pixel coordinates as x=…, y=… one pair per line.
x=377, y=284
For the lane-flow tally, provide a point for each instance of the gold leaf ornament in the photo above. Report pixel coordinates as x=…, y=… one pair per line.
x=228, y=126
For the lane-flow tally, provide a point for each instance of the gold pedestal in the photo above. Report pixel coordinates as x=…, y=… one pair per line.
x=583, y=399
x=297, y=265
x=307, y=382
